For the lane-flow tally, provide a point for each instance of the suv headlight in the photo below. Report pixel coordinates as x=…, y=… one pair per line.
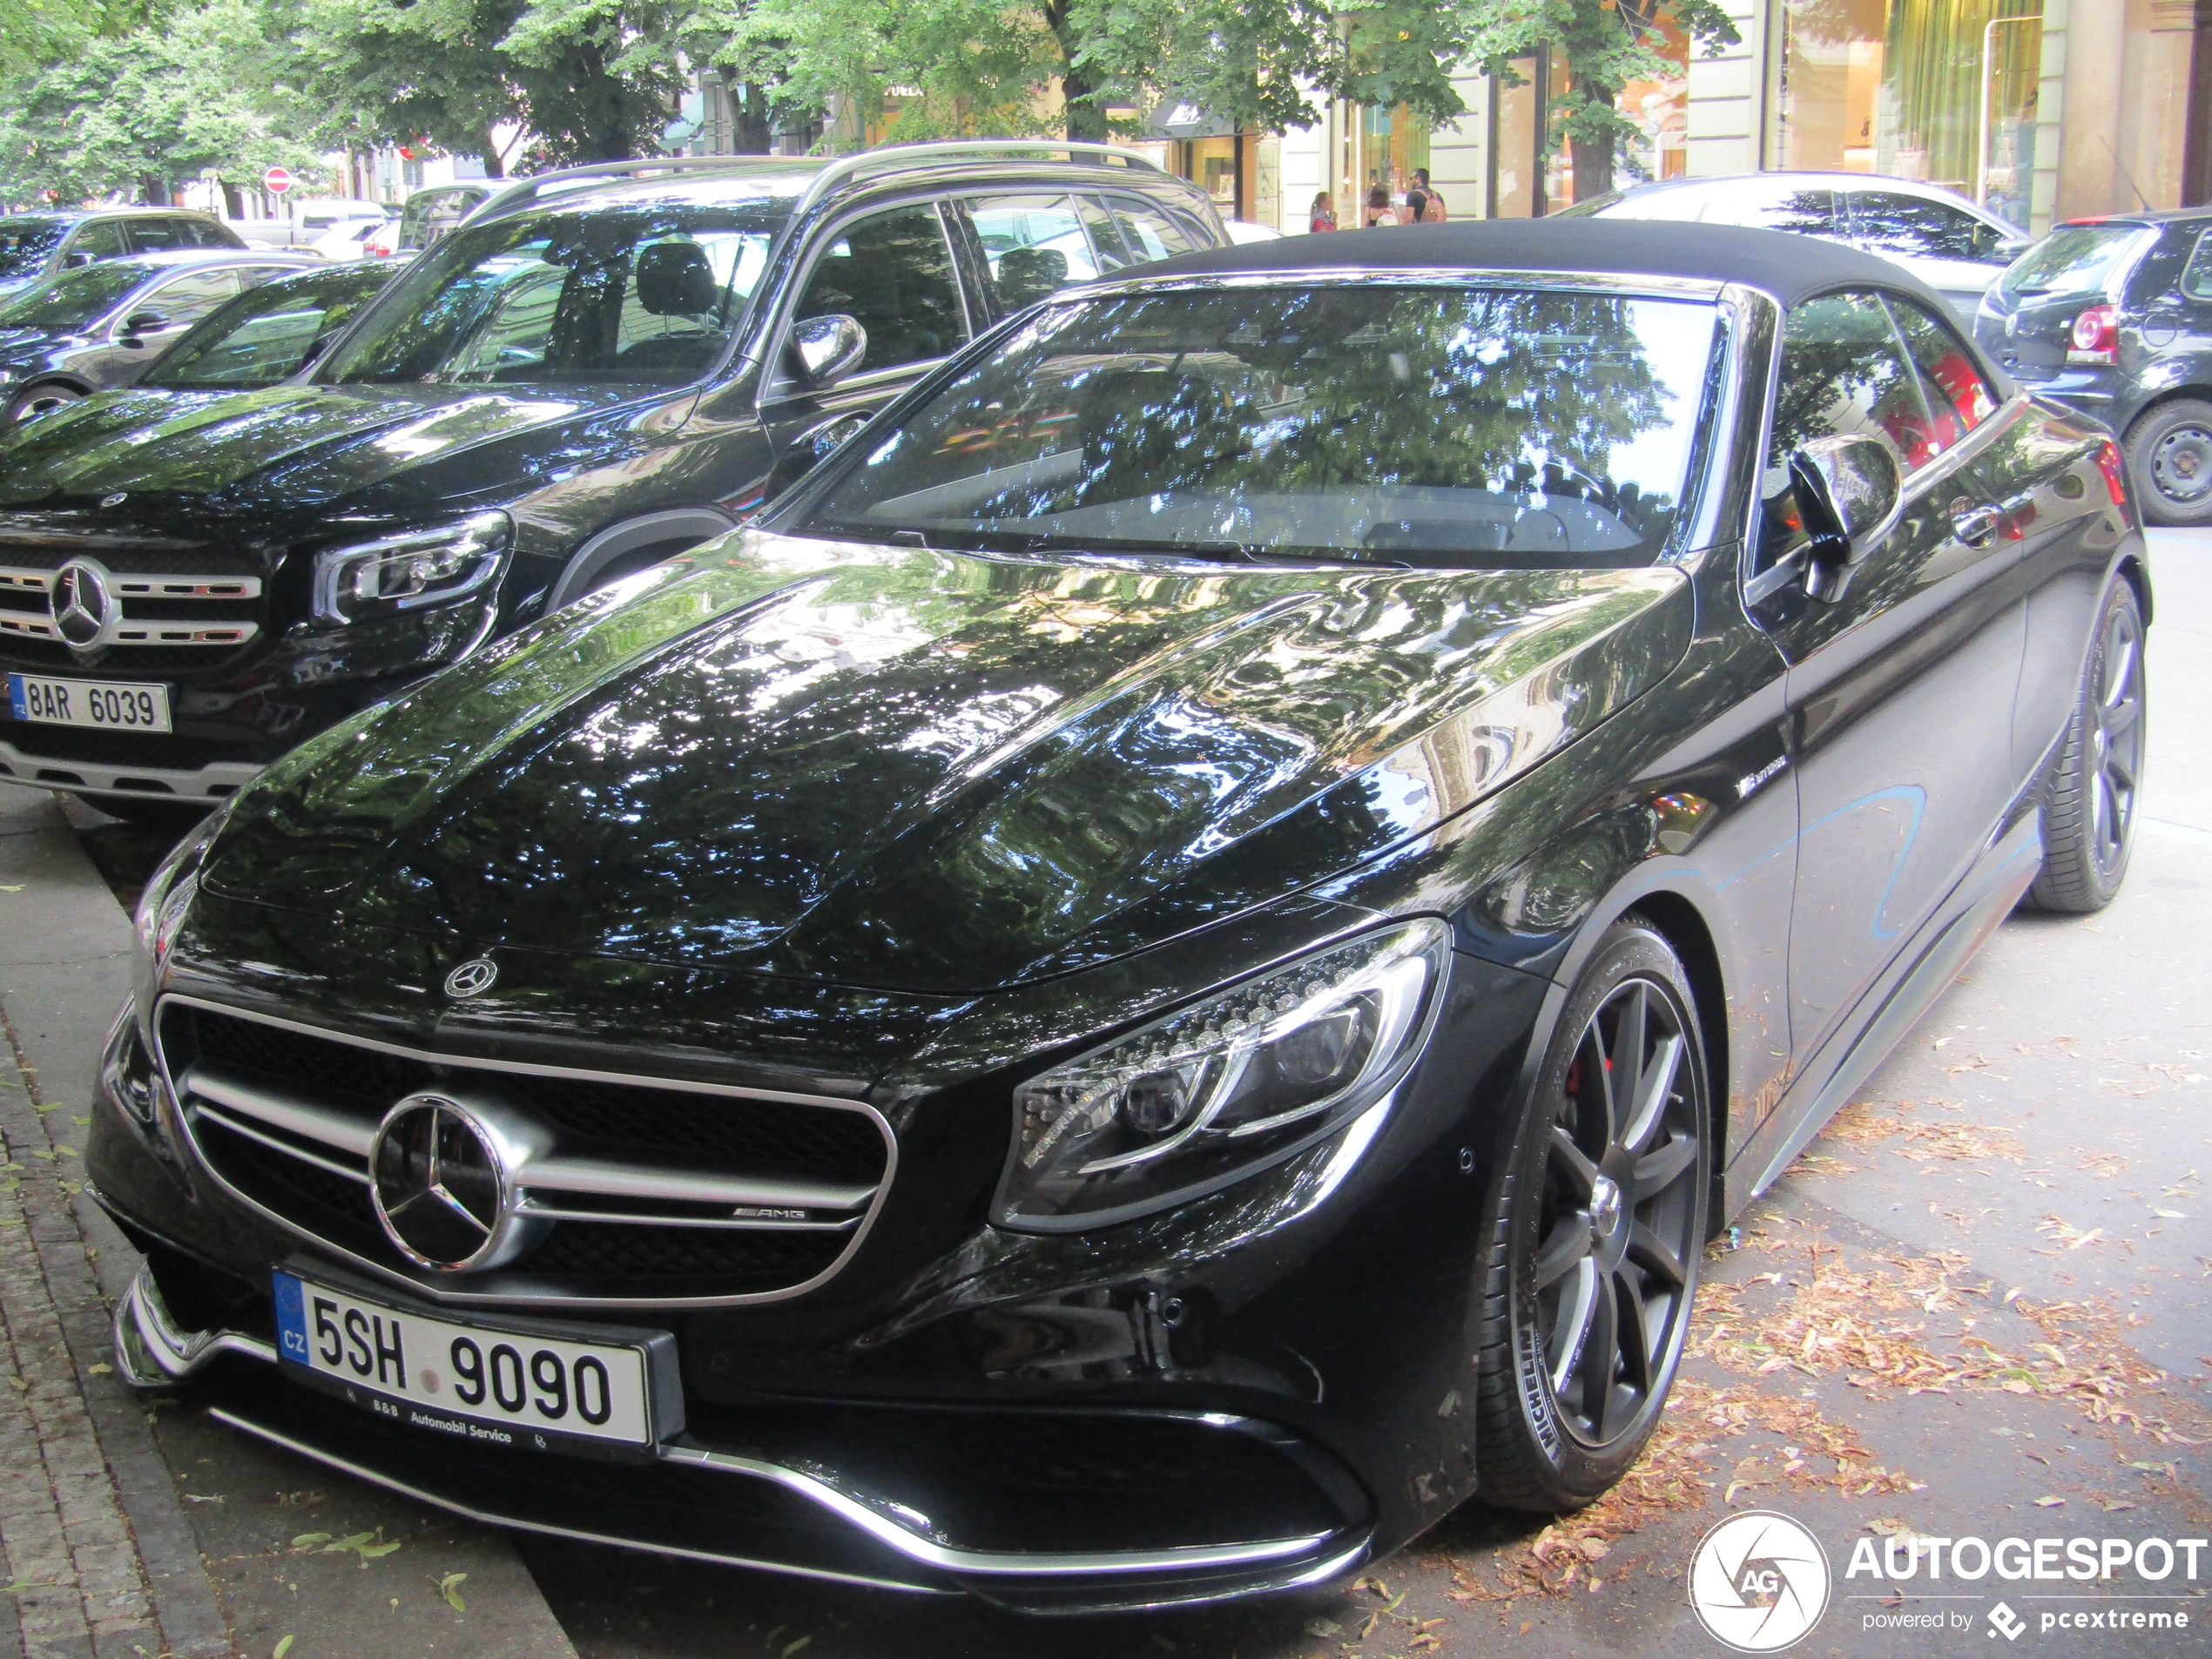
x=1223, y=1088
x=396, y=573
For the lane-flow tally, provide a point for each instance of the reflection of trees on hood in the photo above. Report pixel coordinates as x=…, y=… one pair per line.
x=1517, y=392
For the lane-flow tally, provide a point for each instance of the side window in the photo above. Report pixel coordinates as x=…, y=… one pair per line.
x=1844, y=371
x=1958, y=399
x=188, y=299
x=101, y=239
x=208, y=233
x=1148, y=231
x=1035, y=246
x=1888, y=221
x=160, y=235
x=1765, y=205
x=2196, y=280
x=1105, y=237
x=894, y=273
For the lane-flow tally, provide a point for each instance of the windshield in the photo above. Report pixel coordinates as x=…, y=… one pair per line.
x=1472, y=427
x=644, y=296
x=2074, y=258
x=262, y=336
x=26, y=243
x=70, y=299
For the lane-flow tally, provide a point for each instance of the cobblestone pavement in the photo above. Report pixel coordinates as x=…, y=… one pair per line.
x=100, y=1559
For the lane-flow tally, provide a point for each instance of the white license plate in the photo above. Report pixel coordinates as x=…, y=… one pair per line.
x=108, y=706
x=472, y=1382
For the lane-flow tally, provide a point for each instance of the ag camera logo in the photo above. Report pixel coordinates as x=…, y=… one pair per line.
x=1759, y=1583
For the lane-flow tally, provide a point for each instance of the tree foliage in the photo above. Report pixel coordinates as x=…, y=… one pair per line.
x=1609, y=43
x=141, y=111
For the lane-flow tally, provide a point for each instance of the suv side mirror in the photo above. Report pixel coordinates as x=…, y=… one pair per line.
x=2011, y=247
x=827, y=349
x=1851, y=492
x=144, y=322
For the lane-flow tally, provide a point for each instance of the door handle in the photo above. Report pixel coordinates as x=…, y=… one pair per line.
x=1975, y=526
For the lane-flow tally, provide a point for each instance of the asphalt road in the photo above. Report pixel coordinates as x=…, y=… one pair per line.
x=1977, y=1307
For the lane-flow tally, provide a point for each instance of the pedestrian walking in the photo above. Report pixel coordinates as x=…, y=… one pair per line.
x=1380, y=211
x=1322, y=216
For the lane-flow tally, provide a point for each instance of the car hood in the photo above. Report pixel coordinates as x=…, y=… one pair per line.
x=936, y=771
x=283, y=448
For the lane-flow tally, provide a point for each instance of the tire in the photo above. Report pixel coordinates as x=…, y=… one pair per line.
x=35, y=400
x=2090, y=797
x=1560, y=1417
x=2169, y=463
x=171, y=817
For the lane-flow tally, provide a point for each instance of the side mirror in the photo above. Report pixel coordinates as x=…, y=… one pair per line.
x=75, y=260
x=144, y=322
x=827, y=349
x=1851, y=492
x=2012, y=247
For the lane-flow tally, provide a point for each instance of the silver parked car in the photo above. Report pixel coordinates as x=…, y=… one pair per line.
x=1954, y=246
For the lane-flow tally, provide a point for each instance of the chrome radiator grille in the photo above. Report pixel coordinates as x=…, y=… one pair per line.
x=625, y=1190
x=156, y=610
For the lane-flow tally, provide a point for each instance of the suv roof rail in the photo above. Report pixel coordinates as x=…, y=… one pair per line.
x=893, y=156
x=524, y=190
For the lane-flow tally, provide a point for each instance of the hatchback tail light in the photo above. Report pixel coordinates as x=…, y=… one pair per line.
x=2096, y=336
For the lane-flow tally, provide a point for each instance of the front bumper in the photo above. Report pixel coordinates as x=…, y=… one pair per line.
x=787, y=1499
x=232, y=719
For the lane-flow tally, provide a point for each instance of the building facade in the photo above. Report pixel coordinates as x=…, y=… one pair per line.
x=2042, y=110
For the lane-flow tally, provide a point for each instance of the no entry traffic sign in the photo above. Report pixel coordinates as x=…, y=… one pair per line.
x=276, y=181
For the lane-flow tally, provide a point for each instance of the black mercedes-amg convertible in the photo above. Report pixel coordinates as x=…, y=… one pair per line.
x=1163, y=973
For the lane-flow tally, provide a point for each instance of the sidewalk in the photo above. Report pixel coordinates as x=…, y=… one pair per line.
x=137, y=1533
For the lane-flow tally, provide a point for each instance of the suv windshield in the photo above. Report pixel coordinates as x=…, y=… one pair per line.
x=263, y=335
x=25, y=242
x=2074, y=258
x=430, y=213
x=1469, y=428
x=644, y=296
x=70, y=299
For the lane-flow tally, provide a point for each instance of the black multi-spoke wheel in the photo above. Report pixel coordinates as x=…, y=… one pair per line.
x=1601, y=1216
x=2089, y=799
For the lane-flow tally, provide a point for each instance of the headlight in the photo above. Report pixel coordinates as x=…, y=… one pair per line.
x=162, y=909
x=1222, y=1088
x=401, y=572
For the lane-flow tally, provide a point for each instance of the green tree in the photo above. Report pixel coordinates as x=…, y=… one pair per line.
x=1607, y=44
x=143, y=111
x=984, y=66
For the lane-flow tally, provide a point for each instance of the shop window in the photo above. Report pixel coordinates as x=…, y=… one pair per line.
x=1900, y=87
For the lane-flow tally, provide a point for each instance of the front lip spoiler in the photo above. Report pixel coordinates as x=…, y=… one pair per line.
x=208, y=785
x=153, y=1351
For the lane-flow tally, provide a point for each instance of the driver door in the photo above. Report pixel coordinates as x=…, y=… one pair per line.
x=892, y=272
x=1899, y=690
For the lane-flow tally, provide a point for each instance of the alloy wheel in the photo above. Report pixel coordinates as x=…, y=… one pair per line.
x=2181, y=465
x=1617, y=1245
x=2116, y=741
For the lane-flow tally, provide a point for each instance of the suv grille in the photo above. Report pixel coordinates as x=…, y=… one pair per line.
x=631, y=1191
x=161, y=610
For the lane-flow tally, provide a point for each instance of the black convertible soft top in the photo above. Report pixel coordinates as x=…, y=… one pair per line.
x=1788, y=266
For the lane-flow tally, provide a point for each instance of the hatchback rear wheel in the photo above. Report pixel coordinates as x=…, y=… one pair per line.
x=2169, y=460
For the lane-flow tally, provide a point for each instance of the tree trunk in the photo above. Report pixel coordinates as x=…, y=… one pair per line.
x=1593, y=157
x=751, y=131
x=154, y=188
x=233, y=203
x=494, y=167
x=1078, y=91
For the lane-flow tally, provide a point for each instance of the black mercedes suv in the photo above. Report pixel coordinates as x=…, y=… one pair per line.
x=596, y=371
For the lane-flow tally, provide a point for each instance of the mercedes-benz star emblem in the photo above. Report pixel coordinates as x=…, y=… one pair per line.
x=82, y=605
x=116, y=500
x=438, y=1184
x=472, y=978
